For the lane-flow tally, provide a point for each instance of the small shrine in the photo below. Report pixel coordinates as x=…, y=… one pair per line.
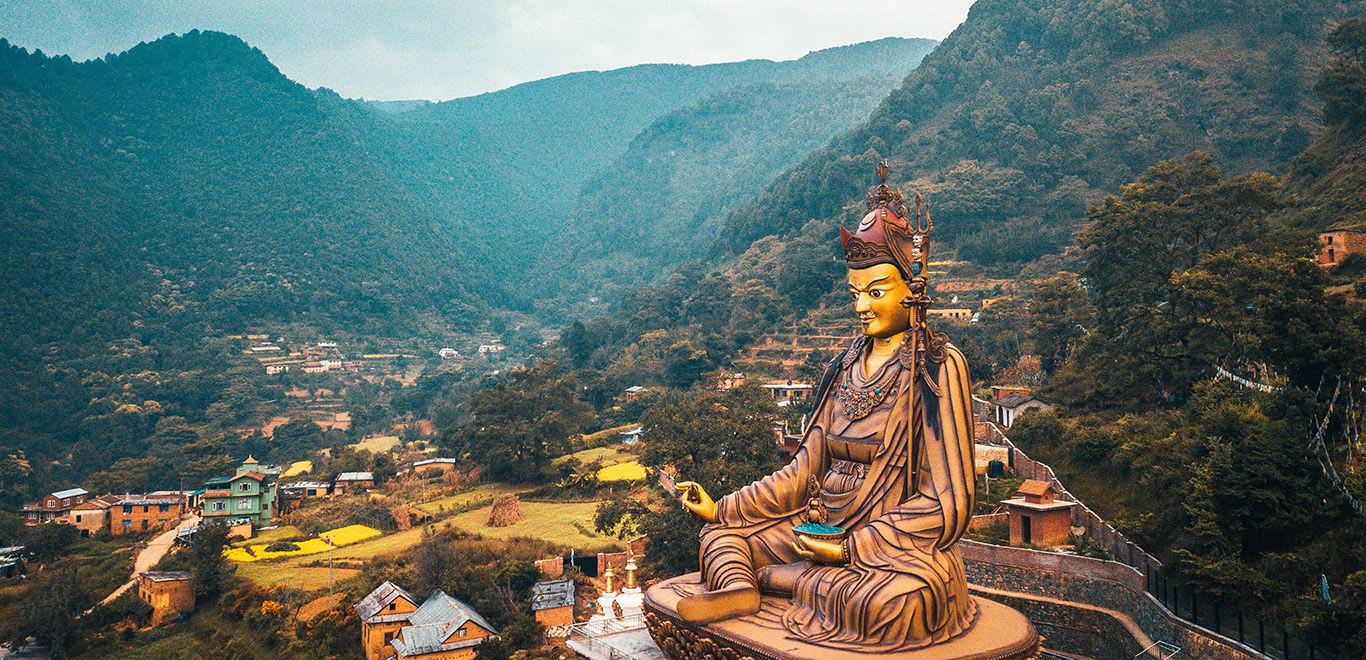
x=1037, y=518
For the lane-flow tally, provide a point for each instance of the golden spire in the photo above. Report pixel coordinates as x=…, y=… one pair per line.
x=610, y=576
x=631, y=573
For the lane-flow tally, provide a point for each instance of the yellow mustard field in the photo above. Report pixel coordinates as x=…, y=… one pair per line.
x=340, y=537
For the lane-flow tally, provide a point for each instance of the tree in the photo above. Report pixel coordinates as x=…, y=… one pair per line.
x=1342, y=84
x=1060, y=315
x=723, y=440
x=205, y=556
x=522, y=421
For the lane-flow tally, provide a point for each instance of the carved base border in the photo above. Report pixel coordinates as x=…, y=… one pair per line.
x=681, y=641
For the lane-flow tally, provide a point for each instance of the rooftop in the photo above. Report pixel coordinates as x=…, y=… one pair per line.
x=1014, y=399
x=1035, y=487
x=441, y=608
x=380, y=598
x=429, y=461
x=552, y=594
x=71, y=492
x=165, y=576
x=356, y=476
x=305, y=484
x=143, y=500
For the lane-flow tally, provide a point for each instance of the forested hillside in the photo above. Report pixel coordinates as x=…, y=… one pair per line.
x=663, y=201
x=513, y=161
x=155, y=202
x=1027, y=110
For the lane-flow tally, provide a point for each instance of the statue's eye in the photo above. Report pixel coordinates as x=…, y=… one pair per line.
x=876, y=293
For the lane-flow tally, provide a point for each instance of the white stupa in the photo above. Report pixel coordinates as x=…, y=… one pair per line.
x=626, y=604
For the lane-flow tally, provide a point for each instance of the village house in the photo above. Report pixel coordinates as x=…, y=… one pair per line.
x=951, y=313
x=350, y=483
x=54, y=506
x=787, y=393
x=393, y=625
x=140, y=513
x=730, y=380
x=634, y=392
x=433, y=466
x=275, y=369
x=1336, y=245
x=92, y=515
x=552, y=602
x=1037, y=518
x=264, y=347
x=632, y=435
x=12, y=562
x=1010, y=401
x=250, y=493
x=295, y=491
x=163, y=596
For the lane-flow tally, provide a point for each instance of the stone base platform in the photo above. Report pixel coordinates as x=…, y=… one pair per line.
x=998, y=633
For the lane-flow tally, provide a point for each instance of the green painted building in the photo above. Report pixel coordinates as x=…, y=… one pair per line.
x=249, y=493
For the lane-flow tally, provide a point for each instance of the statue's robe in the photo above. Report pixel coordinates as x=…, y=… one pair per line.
x=904, y=585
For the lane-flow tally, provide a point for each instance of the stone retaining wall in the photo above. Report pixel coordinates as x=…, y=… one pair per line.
x=1106, y=584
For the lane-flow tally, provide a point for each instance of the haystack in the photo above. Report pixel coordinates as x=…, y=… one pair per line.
x=506, y=511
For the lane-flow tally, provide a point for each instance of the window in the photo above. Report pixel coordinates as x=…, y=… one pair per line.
x=388, y=636
x=66, y=501
x=146, y=508
x=128, y=508
x=244, y=486
x=462, y=632
x=244, y=504
x=163, y=507
x=220, y=506
x=144, y=523
x=393, y=606
x=127, y=524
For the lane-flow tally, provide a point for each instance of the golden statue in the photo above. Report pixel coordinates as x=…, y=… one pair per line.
x=859, y=529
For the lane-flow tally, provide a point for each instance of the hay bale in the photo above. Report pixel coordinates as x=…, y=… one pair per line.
x=506, y=511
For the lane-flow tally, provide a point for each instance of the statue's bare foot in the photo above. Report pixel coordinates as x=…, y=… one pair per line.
x=713, y=606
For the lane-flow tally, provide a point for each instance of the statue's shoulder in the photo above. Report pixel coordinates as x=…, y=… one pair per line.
x=851, y=354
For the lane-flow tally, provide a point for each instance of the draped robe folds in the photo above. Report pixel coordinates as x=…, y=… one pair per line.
x=904, y=586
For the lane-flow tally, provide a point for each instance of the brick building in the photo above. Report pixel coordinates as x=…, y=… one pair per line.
x=1037, y=518
x=163, y=596
x=1336, y=245
x=552, y=602
x=54, y=506
x=350, y=483
x=92, y=515
x=141, y=513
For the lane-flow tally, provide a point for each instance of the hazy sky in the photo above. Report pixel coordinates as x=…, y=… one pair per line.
x=441, y=50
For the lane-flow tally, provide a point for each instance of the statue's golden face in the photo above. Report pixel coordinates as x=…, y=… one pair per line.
x=878, y=291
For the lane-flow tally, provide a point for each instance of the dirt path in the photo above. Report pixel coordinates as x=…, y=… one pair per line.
x=150, y=555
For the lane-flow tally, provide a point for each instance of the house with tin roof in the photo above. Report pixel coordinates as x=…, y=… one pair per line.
x=54, y=506
x=552, y=602
x=393, y=625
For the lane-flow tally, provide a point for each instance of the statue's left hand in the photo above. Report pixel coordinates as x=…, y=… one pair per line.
x=824, y=552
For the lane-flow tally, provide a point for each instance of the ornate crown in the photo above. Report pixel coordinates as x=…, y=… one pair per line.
x=889, y=234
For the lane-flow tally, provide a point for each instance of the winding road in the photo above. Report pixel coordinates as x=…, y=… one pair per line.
x=150, y=555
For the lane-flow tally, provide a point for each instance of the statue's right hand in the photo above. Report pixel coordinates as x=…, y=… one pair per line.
x=696, y=500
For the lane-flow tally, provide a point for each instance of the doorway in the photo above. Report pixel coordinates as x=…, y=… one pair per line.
x=1026, y=535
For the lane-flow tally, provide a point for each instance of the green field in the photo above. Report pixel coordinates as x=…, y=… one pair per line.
x=298, y=467
x=269, y=536
x=549, y=521
x=378, y=443
x=289, y=573
x=484, y=492
x=610, y=455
